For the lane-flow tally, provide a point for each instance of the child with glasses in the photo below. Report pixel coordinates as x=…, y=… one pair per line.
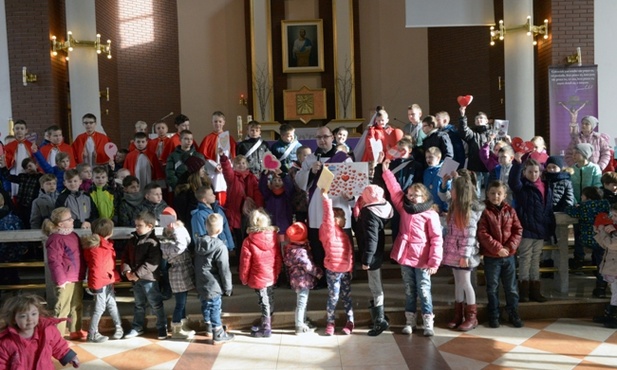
x=67, y=269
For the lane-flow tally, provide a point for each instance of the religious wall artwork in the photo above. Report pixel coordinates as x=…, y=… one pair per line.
x=302, y=46
x=304, y=104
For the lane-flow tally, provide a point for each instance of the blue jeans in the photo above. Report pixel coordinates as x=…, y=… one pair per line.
x=147, y=292
x=502, y=270
x=180, y=308
x=417, y=282
x=211, y=310
x=301, y=301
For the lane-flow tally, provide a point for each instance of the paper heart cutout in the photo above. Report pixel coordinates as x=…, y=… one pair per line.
x=271, y=162
x=345, y=177
x=464, y=101
x=111, y=149
x=521, y=146
x=602, y=219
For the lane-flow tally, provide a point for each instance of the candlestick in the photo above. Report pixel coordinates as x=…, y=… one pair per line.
x=239, y=126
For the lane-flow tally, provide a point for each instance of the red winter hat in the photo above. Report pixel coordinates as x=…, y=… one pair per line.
x=297, y=232
x=372, y=194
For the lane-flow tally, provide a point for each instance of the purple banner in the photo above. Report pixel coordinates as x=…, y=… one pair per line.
x=573, y=94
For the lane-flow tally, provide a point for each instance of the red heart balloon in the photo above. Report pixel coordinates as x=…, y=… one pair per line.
x=464, y=101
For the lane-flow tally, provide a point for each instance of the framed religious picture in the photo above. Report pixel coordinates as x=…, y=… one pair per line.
x=303, y=46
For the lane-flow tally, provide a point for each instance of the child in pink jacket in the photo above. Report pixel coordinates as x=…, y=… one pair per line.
x=338, y=263
x=29, y=338
x=417, y=248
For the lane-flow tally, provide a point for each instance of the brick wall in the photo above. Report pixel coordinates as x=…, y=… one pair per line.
x=571, y=25
x=143, y=75
x=28, y=30
x=460, y=64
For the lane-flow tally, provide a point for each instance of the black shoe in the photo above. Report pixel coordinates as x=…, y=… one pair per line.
x=575, y=263
x=515, y=319
x=494, y=323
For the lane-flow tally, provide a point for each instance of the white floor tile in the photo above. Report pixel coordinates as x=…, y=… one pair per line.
x=529, y=358
x=605, y=354
x=113, y=347
x=462, y=363
x=581, y=328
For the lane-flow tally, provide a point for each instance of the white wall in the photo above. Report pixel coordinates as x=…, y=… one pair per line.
x=606, y=59
x=394, y=60
x=5, y=83
x=213, y=67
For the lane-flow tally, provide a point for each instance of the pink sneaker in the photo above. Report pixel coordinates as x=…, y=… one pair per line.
x=330, y=328
x=348, y=328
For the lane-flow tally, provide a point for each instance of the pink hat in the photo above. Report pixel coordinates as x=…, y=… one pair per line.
x=372, y=194
x=297, y=232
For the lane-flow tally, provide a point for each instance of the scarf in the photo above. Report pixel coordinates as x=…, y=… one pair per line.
x=413, y=208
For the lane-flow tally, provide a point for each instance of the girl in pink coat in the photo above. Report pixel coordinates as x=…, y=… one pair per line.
x=338, y=263
x=260, y=265
x=30, y=339
x=417, y=248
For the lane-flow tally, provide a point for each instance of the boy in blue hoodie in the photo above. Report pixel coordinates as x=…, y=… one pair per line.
x=431, y=177
x=207, y=205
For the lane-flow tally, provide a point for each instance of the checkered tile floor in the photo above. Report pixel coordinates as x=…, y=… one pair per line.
x=541, y=344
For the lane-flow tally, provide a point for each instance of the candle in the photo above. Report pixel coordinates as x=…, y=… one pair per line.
x=580, y=57
x=249, y=118
x=239, y=124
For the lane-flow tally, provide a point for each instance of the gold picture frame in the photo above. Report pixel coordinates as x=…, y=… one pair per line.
x=302, y=46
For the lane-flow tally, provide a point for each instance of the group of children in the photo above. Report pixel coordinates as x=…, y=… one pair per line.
x=436, y=221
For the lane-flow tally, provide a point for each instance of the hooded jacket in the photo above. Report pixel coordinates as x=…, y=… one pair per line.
x=240, y=185
x=101, y=261
x=534, y=211
x=601, y=154
x=419, y=242
x=175, y=250
x=300, y=266
x=198, y=223
x=42, y=208
x=279, y=207
x=563, y=191
x=336, y=243
x=65, y=259
x=462, y=242
x=475, y=139
x=81, y=205
x=212, y=273
x=17, y=353
x=261, y=260
x=373, y=219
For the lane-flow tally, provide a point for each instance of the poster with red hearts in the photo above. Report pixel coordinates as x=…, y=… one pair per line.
x=349, y=178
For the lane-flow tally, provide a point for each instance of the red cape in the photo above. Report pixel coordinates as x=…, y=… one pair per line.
x=170, y=146
x=153, y=143
x=63, y=147
x=131, y=161
x=209, y=146
x=10, y=150
x=99, y=144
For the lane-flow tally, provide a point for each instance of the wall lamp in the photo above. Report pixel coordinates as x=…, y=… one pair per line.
x=532, y=30
x=70, y=43
x=27, y=76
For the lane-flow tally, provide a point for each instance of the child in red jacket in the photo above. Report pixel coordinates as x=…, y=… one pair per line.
x=338, y=263
x=243, y=194
x=100, y=257
x=260, y=264
x=499, y=234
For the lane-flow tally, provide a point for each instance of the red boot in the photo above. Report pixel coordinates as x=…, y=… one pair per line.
x=459, y=309
x=471, y=319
